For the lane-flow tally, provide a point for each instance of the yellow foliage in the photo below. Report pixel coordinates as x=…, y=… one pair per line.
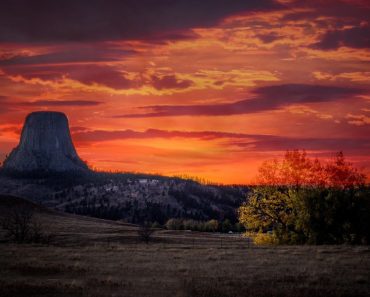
x=261, y=238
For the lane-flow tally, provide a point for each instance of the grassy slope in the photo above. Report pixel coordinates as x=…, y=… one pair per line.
x=92, y=257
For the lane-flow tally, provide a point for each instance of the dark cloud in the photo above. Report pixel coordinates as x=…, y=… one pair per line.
x=303, y=93
x=89, y=74
x=104, y=135
x=9, y=105
x=268, y=38
x=170, y=82
x=164, y=37
x=343, y=11
x=281, y=143
x=50, y=103
x=263, y=99
x=86, y=74
x=44, y=72
x=78, y=20
x=102, y=75
x=91, y=53
x=357, y=37
x=251, y=142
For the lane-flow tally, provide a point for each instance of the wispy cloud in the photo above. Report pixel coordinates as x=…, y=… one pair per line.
x=356, y=37
x=50, y=103
x=72, y=54
x=250, y=142
x=8, y=104
x=358, y=120
x=262, y=99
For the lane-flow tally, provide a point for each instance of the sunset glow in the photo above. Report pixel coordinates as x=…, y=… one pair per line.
x=208, y=90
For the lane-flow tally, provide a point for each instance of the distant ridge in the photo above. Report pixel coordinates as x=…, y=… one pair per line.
x=8, y=202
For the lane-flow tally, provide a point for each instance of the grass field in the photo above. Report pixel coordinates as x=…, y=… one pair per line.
x=91, y=257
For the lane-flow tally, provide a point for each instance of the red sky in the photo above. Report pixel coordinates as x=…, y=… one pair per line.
x=203, y=88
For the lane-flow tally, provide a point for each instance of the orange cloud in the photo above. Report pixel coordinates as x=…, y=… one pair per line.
x=207, y=92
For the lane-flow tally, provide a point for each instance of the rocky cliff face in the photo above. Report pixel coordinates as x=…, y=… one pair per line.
x=45, y=145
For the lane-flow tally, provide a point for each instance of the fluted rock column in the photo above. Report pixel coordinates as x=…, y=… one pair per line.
x=45, y=145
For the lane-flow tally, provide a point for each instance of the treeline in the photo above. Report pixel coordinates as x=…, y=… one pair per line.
x=188, y=200
x=72, y=178
x=204, y=226
x=155, y=213
x=301, y=201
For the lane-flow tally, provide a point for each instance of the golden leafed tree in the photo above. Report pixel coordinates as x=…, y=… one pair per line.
x=281, y=208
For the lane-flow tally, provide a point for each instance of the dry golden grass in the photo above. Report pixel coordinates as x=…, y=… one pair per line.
x=96, y=258
x=163, y=270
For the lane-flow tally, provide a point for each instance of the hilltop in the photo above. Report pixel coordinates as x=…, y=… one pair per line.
x=133, y=198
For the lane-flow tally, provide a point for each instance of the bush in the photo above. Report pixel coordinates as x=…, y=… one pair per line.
x=156, y=225
x=211, y=226
x=262, y=238
x=174, y=224
x=145, y=232
x=22, y=226
x=203, y=226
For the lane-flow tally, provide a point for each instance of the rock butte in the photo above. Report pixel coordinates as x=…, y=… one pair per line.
x=45, y=145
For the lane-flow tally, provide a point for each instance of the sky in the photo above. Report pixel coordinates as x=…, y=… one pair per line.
x=208, y=89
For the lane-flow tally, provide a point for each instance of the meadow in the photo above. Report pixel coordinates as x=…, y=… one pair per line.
x=93, y=257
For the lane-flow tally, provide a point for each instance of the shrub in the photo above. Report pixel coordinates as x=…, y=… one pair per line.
x=145, y=232
x=262, y=238
x=174, y=224
x=22, y=226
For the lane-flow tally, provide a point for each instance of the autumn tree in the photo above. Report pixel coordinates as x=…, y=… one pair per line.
x=301, y=200
x=211, y=225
